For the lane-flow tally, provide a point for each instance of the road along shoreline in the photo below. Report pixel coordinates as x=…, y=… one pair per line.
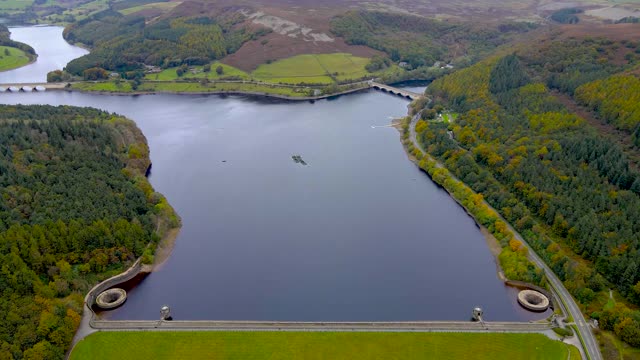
x=590, y=348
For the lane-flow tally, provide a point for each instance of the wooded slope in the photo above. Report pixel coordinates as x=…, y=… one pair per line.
x=75, y=207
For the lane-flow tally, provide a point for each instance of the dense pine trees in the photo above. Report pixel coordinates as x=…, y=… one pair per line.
x=420, y=41
x=603, y=97
x=124, y=43
x=75, y=207
x=569, y=190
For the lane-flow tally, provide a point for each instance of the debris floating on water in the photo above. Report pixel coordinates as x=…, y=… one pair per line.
x=298, y=159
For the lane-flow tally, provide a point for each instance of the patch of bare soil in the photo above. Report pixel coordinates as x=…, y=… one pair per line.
x=286, y=27
x=492, y=242
x=165, y=248
x=612, y=13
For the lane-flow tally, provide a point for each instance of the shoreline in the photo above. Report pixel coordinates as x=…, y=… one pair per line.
x=91, y=322
x=492, y=243
x=216, y=92
x=31, y=61
x=164, y=249
x=21, y=66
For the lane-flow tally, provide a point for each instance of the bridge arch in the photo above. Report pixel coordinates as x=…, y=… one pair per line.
x=399, y=92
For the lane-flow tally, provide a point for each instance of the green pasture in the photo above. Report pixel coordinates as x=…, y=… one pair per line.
x=318, y=345
x=301, y=69
x=170, y=74
x=14, y=4
x=316, y=69
x=15, y=59
x=193, y=87
x=162, y=6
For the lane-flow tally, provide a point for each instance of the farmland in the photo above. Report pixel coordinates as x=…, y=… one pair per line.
x=315, y=69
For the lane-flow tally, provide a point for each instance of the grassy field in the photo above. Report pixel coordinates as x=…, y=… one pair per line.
x=449, y=117
x=293, y=70
x=187, y=87
x=79, y=12
x=301, y=69
x=315, y=69
x=108, y=86
x=162, y=6
x=227, y=71
x=318, y=345
x=16, y=58
x=14, y=4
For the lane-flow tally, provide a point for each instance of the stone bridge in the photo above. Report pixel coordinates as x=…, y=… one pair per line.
x=396, y=91
x=31, y=87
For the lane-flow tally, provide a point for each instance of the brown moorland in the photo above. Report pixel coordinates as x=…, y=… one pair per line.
x=303, y=26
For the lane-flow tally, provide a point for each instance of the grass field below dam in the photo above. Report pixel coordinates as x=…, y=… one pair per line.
x=11, y=58
x=318, y=345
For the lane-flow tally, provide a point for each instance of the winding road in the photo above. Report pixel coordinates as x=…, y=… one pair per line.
x=590, y=345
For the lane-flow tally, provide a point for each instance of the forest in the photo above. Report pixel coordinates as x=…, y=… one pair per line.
x=567, y=16
x=126, y=43
x=621, y=111
x=569, y=190
x=75, y=208
x=421, y=41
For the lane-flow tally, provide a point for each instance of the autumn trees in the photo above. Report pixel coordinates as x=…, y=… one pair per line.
x=603, y=96
x=75, y=207
x=420, y=41
x=570, y=191
x=125, y=43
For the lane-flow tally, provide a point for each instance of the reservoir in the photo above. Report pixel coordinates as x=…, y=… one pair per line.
x=53, y=53
x=359, y=233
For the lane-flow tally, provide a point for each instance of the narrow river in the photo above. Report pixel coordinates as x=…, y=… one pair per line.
x=53, y=53
x=358, y=234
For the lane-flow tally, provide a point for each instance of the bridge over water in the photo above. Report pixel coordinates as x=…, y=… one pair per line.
x=396, y=91
x=28, y=87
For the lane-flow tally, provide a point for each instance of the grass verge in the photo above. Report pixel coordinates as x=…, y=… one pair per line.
x=575, y=331
x=317, y=345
